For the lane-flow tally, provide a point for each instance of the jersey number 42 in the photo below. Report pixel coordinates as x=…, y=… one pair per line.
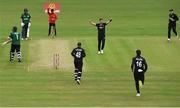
x=78, y=54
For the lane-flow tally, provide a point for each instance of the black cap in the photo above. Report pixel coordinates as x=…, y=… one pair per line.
x=79, y=44
x=138, y=52
x=14, y=29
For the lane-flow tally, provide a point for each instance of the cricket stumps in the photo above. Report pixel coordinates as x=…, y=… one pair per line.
x=56, y=60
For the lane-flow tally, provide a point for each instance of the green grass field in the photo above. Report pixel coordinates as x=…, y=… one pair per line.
x=107, y=80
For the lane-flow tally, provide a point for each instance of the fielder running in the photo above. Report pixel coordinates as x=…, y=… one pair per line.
x=139, y=67
x=172, y=23
x=78, y=53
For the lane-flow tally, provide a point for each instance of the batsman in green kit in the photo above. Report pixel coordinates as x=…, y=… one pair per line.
x=25, y=23
x=15, y=39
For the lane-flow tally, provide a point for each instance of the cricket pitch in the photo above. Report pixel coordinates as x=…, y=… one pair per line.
x=41, y=54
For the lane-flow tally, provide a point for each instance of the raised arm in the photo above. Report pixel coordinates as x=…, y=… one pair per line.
x=56, y=11
x=92, y=23
x=47, y=11
x=109, y=21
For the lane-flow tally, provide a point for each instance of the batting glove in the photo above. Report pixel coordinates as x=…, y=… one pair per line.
x=29, y=24
x=22, y=24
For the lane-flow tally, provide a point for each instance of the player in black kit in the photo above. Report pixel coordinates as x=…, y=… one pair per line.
x=101, y=33
x=172, y=24
x=78, y=54
x=139, y=67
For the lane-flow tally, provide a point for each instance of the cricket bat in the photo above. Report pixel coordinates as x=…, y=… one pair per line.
x=6, y=42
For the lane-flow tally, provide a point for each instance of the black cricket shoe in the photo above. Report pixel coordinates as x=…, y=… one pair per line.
x=19, y=60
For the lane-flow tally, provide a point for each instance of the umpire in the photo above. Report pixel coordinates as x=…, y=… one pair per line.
x=25, y=23
x=172, y=23
x=139, y=67
x=78, y=53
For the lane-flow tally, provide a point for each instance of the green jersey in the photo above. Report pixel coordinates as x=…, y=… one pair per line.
x=15, y=37
x=25, y=18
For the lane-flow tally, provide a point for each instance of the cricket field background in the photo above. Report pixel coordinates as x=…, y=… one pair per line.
x=107, y=79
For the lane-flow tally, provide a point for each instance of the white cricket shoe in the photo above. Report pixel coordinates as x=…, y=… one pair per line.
x=138, y=94
x=78, y=82
x=99, y=52
x=169, y=40
x=102, y=51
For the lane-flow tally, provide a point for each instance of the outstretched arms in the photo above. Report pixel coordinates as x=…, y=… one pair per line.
x=109, y=21
x=49, y=11
x=92, y=23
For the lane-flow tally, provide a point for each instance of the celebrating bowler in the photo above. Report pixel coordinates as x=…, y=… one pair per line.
x=101, y=33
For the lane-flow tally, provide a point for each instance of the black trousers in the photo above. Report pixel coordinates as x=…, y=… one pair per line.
x=52, y=25
x=171, y=26
x=138, y=76
x=78, y=69
x=15, y=48
x=24, y=30
x=101, y=42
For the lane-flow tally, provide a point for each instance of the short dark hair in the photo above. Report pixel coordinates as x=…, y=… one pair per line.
x=138, y=52
x=14, y=29
x=170, y=10
x=100, y=19
x=79, y=44
x=52, y=10
x=25, y=10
